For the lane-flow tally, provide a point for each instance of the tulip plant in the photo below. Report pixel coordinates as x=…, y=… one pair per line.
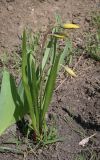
x=34, y=93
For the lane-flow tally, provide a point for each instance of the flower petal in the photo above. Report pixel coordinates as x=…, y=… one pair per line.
x=70, y=26
x=69, y=71
x=59, y=35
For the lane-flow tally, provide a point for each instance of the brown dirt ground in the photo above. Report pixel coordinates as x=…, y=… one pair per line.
x=77, y=99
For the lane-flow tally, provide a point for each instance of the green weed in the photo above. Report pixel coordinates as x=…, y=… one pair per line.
x=93, y=40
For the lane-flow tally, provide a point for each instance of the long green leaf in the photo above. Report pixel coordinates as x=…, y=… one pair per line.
x=25, y=82
x=46, y=54
x=35, y=94
x=50, y=86
x=22, y=96
x=49, y=49
x=65, y=53
x=21, y=91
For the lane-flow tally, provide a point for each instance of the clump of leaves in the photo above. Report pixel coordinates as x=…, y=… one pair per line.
x=93, y=41
x=34, y=93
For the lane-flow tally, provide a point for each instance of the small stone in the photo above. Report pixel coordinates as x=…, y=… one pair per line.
x=39, y=151
x=76, y=21
x=88, y=19
x=9, y=8
x=89, y=98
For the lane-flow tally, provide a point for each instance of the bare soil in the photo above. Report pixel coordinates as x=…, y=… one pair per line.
x=76, y=99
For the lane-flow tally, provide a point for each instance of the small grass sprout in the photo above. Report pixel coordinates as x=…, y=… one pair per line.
x=93, y=39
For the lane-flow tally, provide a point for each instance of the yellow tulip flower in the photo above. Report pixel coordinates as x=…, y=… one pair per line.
x=70, y=26
x=58, y=35
x=69, y=71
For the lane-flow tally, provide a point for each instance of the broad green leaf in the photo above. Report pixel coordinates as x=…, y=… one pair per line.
x=7, y=105
x=11, y=108
x=20, y=108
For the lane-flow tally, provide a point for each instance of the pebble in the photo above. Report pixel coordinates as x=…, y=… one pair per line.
x=76, y=21
x=39, y=151
x=9, y=8
x=88, y=19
